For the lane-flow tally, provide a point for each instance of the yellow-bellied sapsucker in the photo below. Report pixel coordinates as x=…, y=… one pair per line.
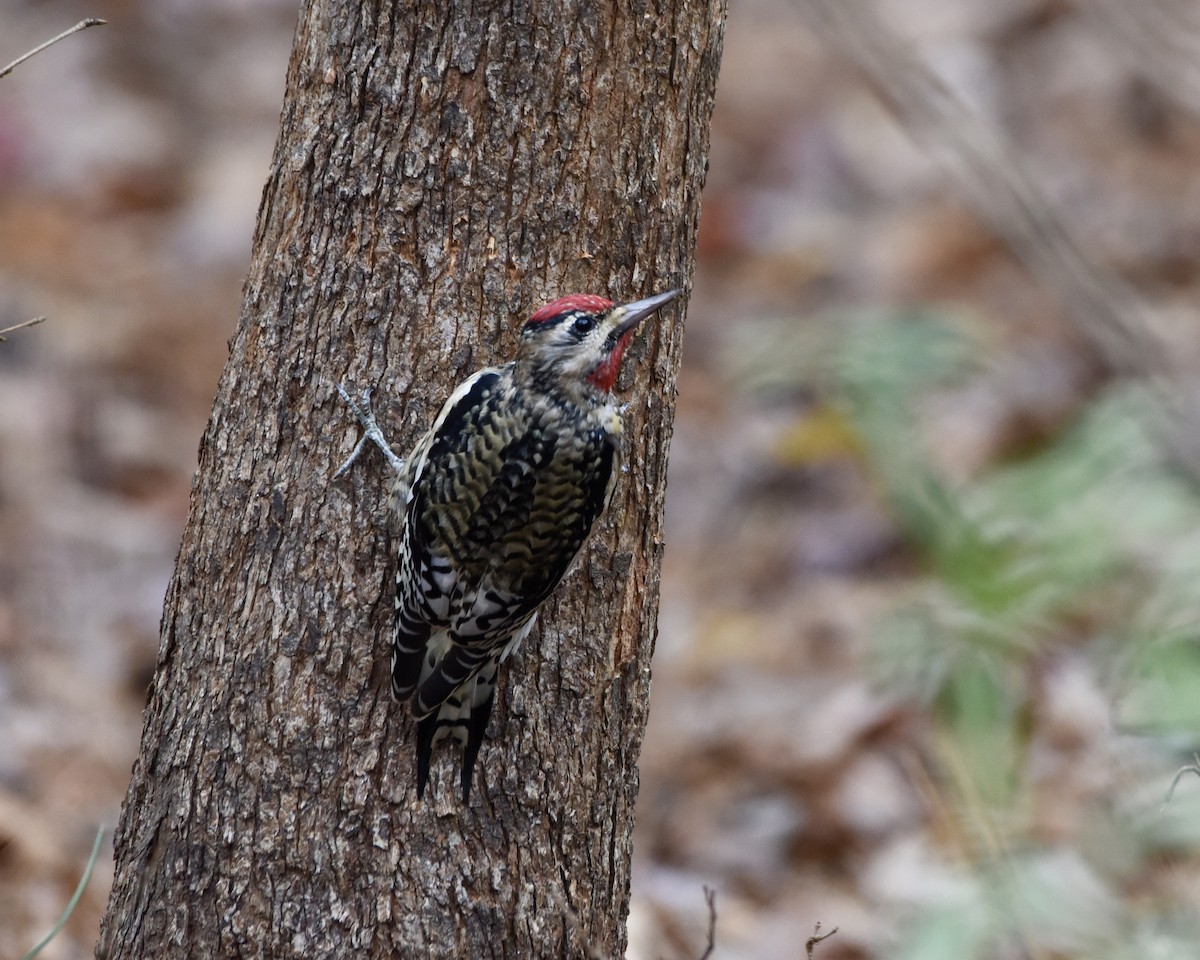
x=492, y=506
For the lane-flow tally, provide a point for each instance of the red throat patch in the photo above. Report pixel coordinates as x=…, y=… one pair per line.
x=587, y=302
x=605, y=375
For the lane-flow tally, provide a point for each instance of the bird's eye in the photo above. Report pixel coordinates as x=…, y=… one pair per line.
x=583, y=323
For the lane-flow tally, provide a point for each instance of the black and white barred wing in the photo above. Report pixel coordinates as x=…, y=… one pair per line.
x=430, y=571
x=498, y=508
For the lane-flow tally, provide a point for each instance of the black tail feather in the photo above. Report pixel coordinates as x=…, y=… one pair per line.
x=426, y=728
x=463, y=716
x=476, y=728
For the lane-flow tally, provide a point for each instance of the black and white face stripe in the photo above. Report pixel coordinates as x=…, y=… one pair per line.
x=578, y=323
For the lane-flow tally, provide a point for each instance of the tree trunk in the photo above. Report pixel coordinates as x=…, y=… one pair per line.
x=440, y=172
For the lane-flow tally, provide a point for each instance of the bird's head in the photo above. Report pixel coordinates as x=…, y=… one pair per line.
x=576, y=343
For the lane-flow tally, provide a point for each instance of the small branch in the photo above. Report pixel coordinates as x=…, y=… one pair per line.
x=1193, y=767
x=710, y=896
x=74, y=901
x=20, y=326
x=816, y=938
x=81, y=25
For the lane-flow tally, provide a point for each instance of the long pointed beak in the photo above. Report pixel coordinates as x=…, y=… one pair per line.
x=630, y=315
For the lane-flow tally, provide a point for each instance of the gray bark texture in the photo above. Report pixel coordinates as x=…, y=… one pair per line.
x=442, y=169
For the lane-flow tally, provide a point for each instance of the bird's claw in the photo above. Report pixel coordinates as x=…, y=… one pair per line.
x=361, y=408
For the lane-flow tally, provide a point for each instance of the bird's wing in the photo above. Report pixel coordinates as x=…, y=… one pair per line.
x=428, y=573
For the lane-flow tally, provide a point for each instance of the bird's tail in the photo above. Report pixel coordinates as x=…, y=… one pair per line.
x=462, y=715
x=453, y=697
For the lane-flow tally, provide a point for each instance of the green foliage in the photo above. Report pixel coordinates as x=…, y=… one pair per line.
x=1090, y=546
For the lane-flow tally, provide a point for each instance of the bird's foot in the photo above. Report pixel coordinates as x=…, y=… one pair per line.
x=361, y=408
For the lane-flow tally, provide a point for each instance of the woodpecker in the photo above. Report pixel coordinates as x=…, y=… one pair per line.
x=493, y=505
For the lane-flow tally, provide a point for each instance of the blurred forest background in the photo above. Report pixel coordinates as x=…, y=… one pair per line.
x=929, y=656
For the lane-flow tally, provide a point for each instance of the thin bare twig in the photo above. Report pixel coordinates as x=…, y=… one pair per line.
x=81, y=25
x=1193, y=767
x=19, y=326
x=710, y=896
x=74, y=902
x=816, y=938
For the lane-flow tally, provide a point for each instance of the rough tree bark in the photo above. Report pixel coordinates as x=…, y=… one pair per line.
x=441, y=169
